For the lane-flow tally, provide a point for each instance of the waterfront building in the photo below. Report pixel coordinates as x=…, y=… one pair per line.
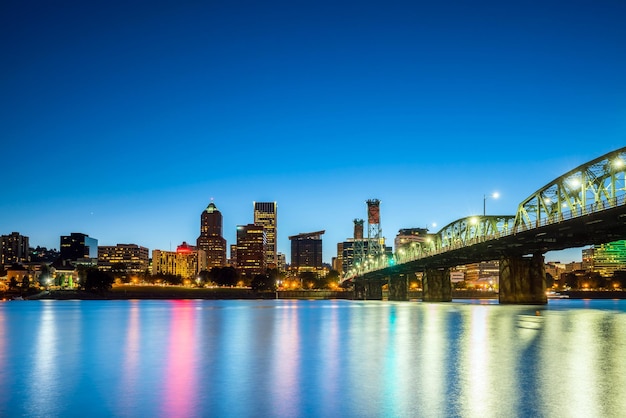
x=282, y=262
x=20, y=274
x=265, y=214
x=407, y=236
x=13, y=249
x=134, y=258
x=187, y=261
x=606, y=258
x=337, y=262
x=251, y=250
x=484, y=274
x=232, y=261
x=211, y=239
x=78, y=248
x=306, y=251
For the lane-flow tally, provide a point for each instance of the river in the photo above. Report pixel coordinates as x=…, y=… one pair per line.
x=299, y=358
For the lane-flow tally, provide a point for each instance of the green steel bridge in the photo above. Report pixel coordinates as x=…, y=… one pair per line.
x=584, y=206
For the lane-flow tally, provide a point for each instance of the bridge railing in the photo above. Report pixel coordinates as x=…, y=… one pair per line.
x=429, y=251
x=576, y=213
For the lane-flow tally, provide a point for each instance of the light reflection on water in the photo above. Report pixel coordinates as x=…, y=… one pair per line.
x=312, y=358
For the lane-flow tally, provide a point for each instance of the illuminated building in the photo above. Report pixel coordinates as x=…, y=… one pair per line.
x=13, y=249
x=134, y=258
x=211, y=240
x=606, y=258
x=409, y=235
x=251, y=250
x=186, y=261
x=485, y=271
x=233, y=255
x=79, y=248
x=306, y=251
x=282, y=262
x=338, y=261
x=265, y=214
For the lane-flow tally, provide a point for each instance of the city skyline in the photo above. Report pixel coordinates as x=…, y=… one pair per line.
x=122, y=120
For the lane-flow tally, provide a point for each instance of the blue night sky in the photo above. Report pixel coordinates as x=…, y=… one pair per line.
x=122, y=119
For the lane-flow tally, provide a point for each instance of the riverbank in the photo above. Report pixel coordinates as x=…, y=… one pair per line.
x=179, y=292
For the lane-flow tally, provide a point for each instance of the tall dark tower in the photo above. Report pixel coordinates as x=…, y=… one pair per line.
x=211, y=239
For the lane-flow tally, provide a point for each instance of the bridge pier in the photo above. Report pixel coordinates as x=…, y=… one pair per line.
x=523, y=280
x=436, y=286
x=368, y=290
x=398, y=287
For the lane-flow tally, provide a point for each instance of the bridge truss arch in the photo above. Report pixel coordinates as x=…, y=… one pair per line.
x=458, y=234
x=594, y=186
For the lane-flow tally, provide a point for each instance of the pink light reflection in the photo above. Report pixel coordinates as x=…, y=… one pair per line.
x=180, y=386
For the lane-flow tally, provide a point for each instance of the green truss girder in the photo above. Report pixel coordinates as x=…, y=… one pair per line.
x=596, y=185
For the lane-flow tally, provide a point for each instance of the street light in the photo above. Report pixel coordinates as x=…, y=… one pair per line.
x=494, y=195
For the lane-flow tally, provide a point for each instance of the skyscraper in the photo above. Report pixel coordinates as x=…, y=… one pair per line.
x=211, y=240
x=306, y=251
x=251, y=250
x=265, y=214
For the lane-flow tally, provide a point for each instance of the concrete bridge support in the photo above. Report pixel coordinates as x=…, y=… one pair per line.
x=368, y=289
x=436, y=286
x=523, y=280
x=398, y=287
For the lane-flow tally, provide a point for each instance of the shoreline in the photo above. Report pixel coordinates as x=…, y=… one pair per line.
x=176, y=292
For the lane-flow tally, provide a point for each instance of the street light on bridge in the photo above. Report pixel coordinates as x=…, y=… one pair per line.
x=494, y=195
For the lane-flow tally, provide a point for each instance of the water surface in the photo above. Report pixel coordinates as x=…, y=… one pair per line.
x=312, y=359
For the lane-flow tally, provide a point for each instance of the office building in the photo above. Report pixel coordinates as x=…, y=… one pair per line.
x=251, y=250
x=306, y=251
x=605, y=258
x=131, y=257
x=211, y=240
x=79, y=248
x=13, y=249
x=483, y=272
x=186, y=262
x=265, y=214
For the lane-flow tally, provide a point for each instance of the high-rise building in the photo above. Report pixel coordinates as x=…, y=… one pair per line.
x=233, y=255
x=77, y=247
x=606, y=258
x=186, y=262
x=306, y=251
x=251, y=250
x=13, y=249
x=265, y=214
x=134, y=258
x=211, y=240
x=282, y=262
